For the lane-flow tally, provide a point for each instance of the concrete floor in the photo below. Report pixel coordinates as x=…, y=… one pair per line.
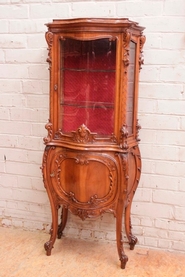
x=22, y=254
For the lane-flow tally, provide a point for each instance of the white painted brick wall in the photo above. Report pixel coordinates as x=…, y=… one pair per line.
x=159, y=207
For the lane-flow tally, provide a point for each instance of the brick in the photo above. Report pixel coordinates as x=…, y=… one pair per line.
x=59, y=10
x=164, y=244
x=168, y=197
x=38, y=72
x=149, y=73
x=8, y=141
x=30, y=196
x=179, y=213
x=32, y=143
x=161, y=91
x=29, y=115
x=12, y=41
x=38, y=129
x=37, y=102
x=13, y=71
x=148, y=106
x=163, y=57
x=169, y=168
x=8, y=180
x=134, y=8
x=168, y=41
x=176, y=236
x=35, y=87
x=14, y=11
x=85, y=234
x=17, y=223
x=143, y=195
x=90, y=9
x=172, y=73
x=177, y=245
x=32, y=225
x=161, y=152
x=2, y=56
x=36, y=41
x=4, y=114
x=153, y=41
x=21, y=128
x=6, y=222
x=159, y=182
x=162, y=24
x=29, y=26
x=171, y=8
x=172, y=137
x=152, y=210
x=5, y=193
x=182, y=184
x=160, y=121
x=25, y=56
x=9, y=86
x=24, y=169
x=146, y=222
x=153, y=242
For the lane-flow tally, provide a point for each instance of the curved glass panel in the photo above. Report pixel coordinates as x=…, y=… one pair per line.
x=131, y=87
x=87, y=85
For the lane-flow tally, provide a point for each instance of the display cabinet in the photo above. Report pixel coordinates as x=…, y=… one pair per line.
x=91, y=163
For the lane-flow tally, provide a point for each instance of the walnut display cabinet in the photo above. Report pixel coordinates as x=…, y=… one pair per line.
x=91, y=163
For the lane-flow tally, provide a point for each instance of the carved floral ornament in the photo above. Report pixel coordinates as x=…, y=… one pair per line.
x=141, y=58
x=49, y=39
x=126, y=41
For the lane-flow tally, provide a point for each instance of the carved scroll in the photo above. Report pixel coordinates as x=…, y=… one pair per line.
x=49, y=39
x=48, y=127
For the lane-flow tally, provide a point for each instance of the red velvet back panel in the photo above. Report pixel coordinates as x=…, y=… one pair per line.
x=88, y=85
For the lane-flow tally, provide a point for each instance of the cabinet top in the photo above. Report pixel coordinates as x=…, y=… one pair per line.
x=93, y=24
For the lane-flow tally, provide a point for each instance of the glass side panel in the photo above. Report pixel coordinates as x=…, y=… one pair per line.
x=87, y=85
x=131, y=87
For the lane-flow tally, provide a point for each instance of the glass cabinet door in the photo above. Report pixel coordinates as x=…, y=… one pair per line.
x=87, y=77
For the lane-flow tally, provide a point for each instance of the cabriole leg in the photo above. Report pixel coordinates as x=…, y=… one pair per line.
x=62, y=225
x=121, y=253
x=53, y=231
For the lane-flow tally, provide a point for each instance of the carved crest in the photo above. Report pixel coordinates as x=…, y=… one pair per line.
x=83, y=135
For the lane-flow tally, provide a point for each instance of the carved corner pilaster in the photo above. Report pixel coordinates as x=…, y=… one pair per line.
x=138, y=127
x=48, y=127
x=141, y=44
x=126, y=41
x=124, y=136
x=49, y=39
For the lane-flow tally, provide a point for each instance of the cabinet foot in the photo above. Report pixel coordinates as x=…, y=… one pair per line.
x=48, y=247
x=132, y=242
x=124, y=260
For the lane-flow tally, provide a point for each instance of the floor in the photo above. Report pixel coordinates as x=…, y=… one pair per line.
x=22, y=254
